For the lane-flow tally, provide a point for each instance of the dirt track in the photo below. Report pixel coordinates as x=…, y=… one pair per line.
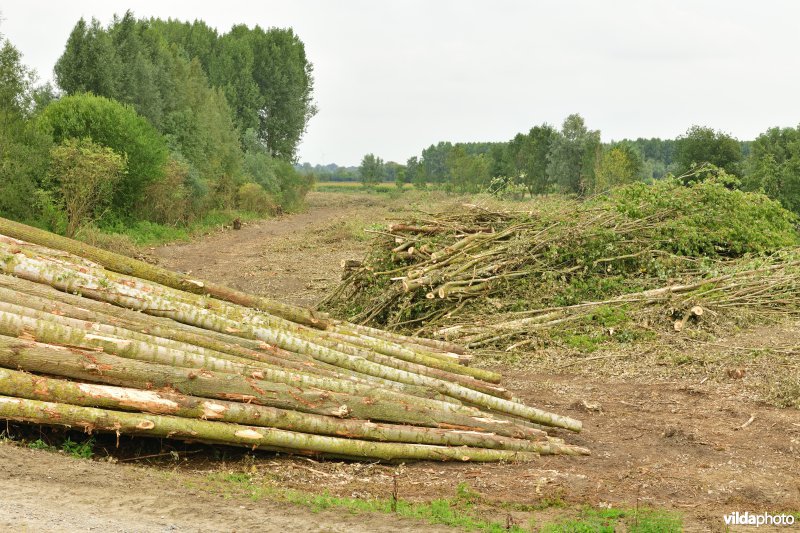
x=295, y=257
x=660, y=438
x=45, y=491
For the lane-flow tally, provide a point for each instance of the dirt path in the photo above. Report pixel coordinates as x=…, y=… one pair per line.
x=293, y=257
x=45, y=491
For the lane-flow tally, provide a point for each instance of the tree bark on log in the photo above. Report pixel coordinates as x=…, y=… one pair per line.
x=93, y=419
x=22, y=385
x=182, y=307
x=49, y=299
x=195, y=315
x=108, y=369
x=55, y=329
x=442, y=346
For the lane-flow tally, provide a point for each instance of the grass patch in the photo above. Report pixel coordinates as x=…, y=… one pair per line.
x=144, y=233
x=465, y=510
x=592, y=520
x=351, y=229
x=127, y=237
x=459, y=511
x=80, y=450
x=357, y=186
x=39, y=444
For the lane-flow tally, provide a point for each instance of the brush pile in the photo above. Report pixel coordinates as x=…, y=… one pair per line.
x=643, y=258
x=93, y=340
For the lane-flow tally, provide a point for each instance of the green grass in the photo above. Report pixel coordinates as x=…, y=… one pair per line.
x=39, y=444
x=81, y=450
x=592, y=520
x=356, y=186
x=458, y=511
x=126, y=237
x=144, y=233
x=465, y=509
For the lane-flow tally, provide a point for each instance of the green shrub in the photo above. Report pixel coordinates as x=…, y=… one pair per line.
x=506, y=188
x=253, y=198
x=85, y=175
x=81, y=450
x=167, y=200
x=707, y=218
x=114, y=125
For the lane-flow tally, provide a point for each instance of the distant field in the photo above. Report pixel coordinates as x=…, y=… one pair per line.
x=352, y=186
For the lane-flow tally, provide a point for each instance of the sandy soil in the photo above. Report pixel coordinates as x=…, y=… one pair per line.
x=46, y=491
x=699, y=442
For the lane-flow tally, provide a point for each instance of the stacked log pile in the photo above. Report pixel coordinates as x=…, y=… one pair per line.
x=93, y=340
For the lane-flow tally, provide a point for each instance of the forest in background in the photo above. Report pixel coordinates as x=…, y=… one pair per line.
x=574, y=160
x=154, y=122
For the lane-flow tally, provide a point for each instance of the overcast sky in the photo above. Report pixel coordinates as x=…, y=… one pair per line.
x=392, y=77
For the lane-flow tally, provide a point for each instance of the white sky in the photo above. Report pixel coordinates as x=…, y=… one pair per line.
x=395, y=76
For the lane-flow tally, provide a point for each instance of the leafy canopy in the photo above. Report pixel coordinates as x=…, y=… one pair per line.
x=113, y=125
x=774, y=166
x=702, y=145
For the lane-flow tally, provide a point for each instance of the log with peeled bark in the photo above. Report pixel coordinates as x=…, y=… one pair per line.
x=148, y=347
x=18, y=321
x=421, y=356
x=94, y=419
x=285, y=323
x=47, y=299
x=119, y=291
x=22, y=385
x=443, y=346
x=134, y=267
x=108, y=369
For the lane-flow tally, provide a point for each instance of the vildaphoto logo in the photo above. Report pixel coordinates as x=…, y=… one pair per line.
x=762, y=519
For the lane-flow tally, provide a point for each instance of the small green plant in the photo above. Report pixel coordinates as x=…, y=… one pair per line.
x=610, y=316
x=39, y=444
x=466, y=495
x=81, y=450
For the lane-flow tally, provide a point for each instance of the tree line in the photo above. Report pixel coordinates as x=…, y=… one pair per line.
x=157, y=120
x=573, y=160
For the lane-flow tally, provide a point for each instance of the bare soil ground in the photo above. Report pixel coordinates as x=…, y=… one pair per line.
x=691, y=427
x=296, y=257
x=46, y=491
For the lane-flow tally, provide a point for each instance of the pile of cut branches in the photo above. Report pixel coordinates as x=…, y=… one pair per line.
x=93, y=340
x=497, y=278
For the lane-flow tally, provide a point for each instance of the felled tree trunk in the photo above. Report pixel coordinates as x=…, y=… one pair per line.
x=18, y=384
x=93, y=419
x=112, y=370
x=153, y=359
